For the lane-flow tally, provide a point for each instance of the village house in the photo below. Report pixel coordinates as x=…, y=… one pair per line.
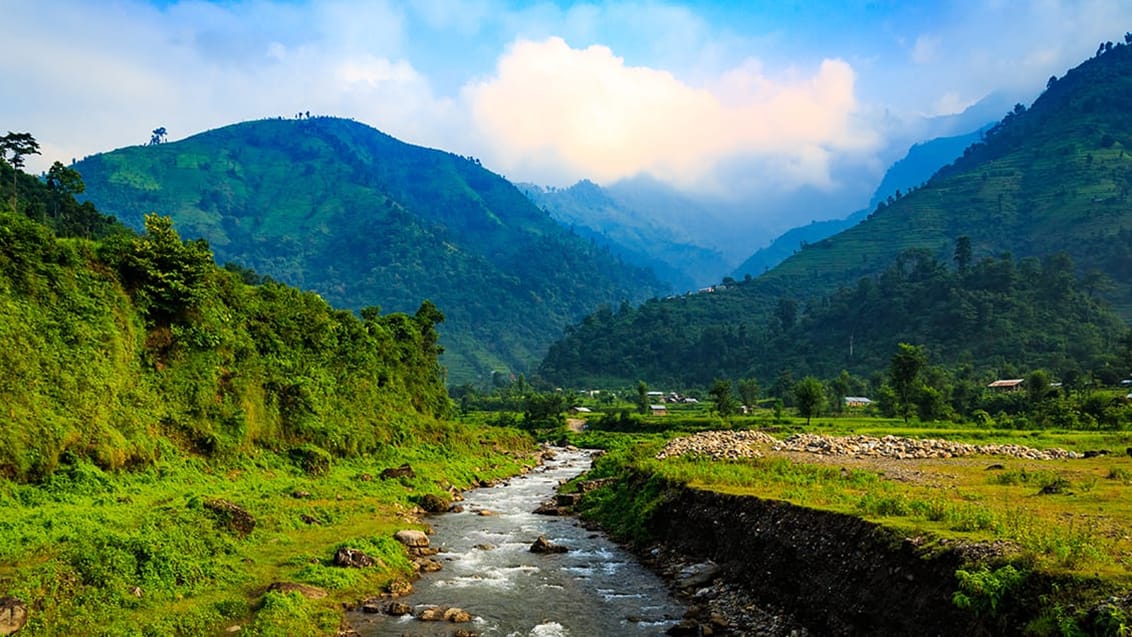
x=1007, y=385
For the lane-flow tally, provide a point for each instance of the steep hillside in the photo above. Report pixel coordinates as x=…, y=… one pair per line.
x=1051, y=178
x=917, y=166
x=634, y=234
x=336, y=207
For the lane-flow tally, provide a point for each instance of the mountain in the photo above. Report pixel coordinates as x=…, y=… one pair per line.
x=917, y=166
x=1049, y=179
x=337, y=207
x=635, y=234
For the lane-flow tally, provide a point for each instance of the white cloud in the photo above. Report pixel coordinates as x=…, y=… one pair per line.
x=926, y=49
x=101, y=76
x=552, y=108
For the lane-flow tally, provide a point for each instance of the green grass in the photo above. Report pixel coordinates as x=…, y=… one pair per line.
x=1066, y=516
x=78, y=545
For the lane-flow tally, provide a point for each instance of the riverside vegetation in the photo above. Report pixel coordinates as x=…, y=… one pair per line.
x=1046, y=544
x=178, y=436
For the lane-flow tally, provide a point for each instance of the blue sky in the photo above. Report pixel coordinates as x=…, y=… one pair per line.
x=739, y=98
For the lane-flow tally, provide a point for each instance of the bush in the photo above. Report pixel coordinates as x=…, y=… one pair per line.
x=312, y=459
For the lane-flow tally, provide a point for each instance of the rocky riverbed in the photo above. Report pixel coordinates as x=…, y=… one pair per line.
x=719, y=445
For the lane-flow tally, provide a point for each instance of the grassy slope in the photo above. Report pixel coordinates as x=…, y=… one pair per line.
x=76, y=546
x=337, y=207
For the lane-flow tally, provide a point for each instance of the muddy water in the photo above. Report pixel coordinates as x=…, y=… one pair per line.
x=595, y=589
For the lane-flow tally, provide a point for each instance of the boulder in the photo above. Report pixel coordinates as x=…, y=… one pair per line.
x=548, y=508
x=352, y=558
x=231, y=516
x=398, y=609
x=567, y=499
x=399, y=588
x=543, y=545
x=13, y=615
x=428, y=565
x=457, y=616
x=431, y=614
x=404, y=471
x=486, y=512
x=411, y=538
x=306, y=590
x=433, y=503
x=697, y=575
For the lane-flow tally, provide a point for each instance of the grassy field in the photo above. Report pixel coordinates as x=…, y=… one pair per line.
x=1068, y=516
x=138, y=553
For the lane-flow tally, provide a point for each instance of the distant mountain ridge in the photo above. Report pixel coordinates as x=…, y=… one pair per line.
x=337, y=207
x=636, y=234
x=920, y=162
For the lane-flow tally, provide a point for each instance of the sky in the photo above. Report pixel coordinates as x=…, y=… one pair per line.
x=735, y=99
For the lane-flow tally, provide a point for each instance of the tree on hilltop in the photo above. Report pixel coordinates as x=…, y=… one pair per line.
x=17, y=145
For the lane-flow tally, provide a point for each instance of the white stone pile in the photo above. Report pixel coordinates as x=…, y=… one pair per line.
x=910, y=448
x=730, y=445
x=718, y=445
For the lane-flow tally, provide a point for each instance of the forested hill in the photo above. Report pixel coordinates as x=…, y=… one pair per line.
x=1054, y=177
x=334, y=206
x=996, y=317
x=126, y=348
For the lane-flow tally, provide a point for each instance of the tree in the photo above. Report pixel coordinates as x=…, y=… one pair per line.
x=786, y=312
x=963, y=253
x=1037, y=386
x=809, y=396
x=158, y=136
x=720, y=393
x=18, y=145
x=748, y=391
x=64, y=182
x=167, y=274
x=903, y=372
x=544, y=410
x=642, y=397
x=840, y=388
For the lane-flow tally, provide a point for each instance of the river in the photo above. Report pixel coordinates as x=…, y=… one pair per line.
x=593, y=590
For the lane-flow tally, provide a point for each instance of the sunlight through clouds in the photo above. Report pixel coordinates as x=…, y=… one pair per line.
x=584, y=110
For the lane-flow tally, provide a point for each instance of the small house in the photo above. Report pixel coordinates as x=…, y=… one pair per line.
x=857, y=401
x=658, y=410
x=580, y=410
x=1007, y=385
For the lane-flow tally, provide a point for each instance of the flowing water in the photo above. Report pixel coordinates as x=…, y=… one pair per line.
x=594, y=590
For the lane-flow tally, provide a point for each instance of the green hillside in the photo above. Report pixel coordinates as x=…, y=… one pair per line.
x=177, y=439
x=336, y=207
x=1052, y=178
